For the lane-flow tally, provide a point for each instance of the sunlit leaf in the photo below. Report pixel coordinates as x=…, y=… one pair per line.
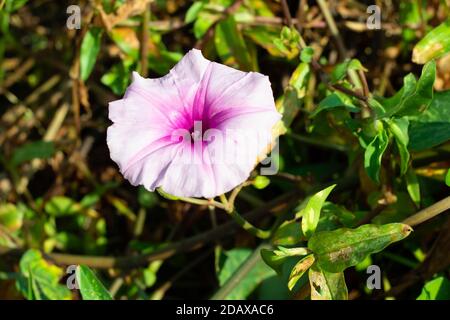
x=311, y=212
x=90, y=286
x=193, y=11
x=299, y=269
x=342, y=248
x=230, y=45
x=335, y=100
x=265, y=36
x=118, y=77
x=40, y=279
x=204, y=21
x=294, y=94
x=341, y=69
x=11, y=217
x=90, y=47
x=289, y=233
x=276, y=258
x=14, y=5
x=326, y=285
x=436, y=289
x=306, y=55
x=415, y=95
x=61, y=206
x=435, y=44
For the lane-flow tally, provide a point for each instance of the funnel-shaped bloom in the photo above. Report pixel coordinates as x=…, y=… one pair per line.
x=195, y=132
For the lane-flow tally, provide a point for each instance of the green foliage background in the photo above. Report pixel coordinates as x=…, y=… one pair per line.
x=364, y=153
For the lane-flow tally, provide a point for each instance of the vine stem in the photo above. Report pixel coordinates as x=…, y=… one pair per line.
x=247, y=226
x=202, y=202
x=240, y=220
x=429, y=212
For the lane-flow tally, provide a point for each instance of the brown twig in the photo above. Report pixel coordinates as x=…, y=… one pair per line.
x=333, y=28
x=350, y=92
x=287, y=13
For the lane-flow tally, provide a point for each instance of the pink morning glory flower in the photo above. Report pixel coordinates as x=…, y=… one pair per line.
x=196, y=132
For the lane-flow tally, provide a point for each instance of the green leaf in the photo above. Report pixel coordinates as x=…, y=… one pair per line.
x=438, y=111
x=90, y=287
x=61, y=206
x=203, y=22
x=273, y=260
x=334, y=216
x=337, y=250
x=415, y=96
x=193, y=11
x=33, y=150
x=288, y=41
x=306, y=55
x=265, y=36
x=413, y=186
x=299, y=269
x=373, y=155
x=233, y=260
x=435, y=44
x=341, y=69
x=335, y=100
x=426, y=135
x=447, y=178
x=432, y=127
x=123, y=38
x=326, y=285
x=436, y=289
x=289, y=233
x=90, y=47
x=230, y=45
x=14, y=5
x=399, y=128
x=40, y=279
x=410, y=14
x=376, y=107
x=294, y=94
x=163, y=61
x=118, y=77
x=276, y=258
x=311, y=212
x=11, y=217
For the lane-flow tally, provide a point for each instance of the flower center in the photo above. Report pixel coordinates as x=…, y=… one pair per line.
x=198, y=130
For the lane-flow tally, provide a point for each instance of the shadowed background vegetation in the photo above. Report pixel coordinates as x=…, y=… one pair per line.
x=63, y=201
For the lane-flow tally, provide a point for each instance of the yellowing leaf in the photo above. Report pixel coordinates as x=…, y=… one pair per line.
x=339, y=249
x=326, y=285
